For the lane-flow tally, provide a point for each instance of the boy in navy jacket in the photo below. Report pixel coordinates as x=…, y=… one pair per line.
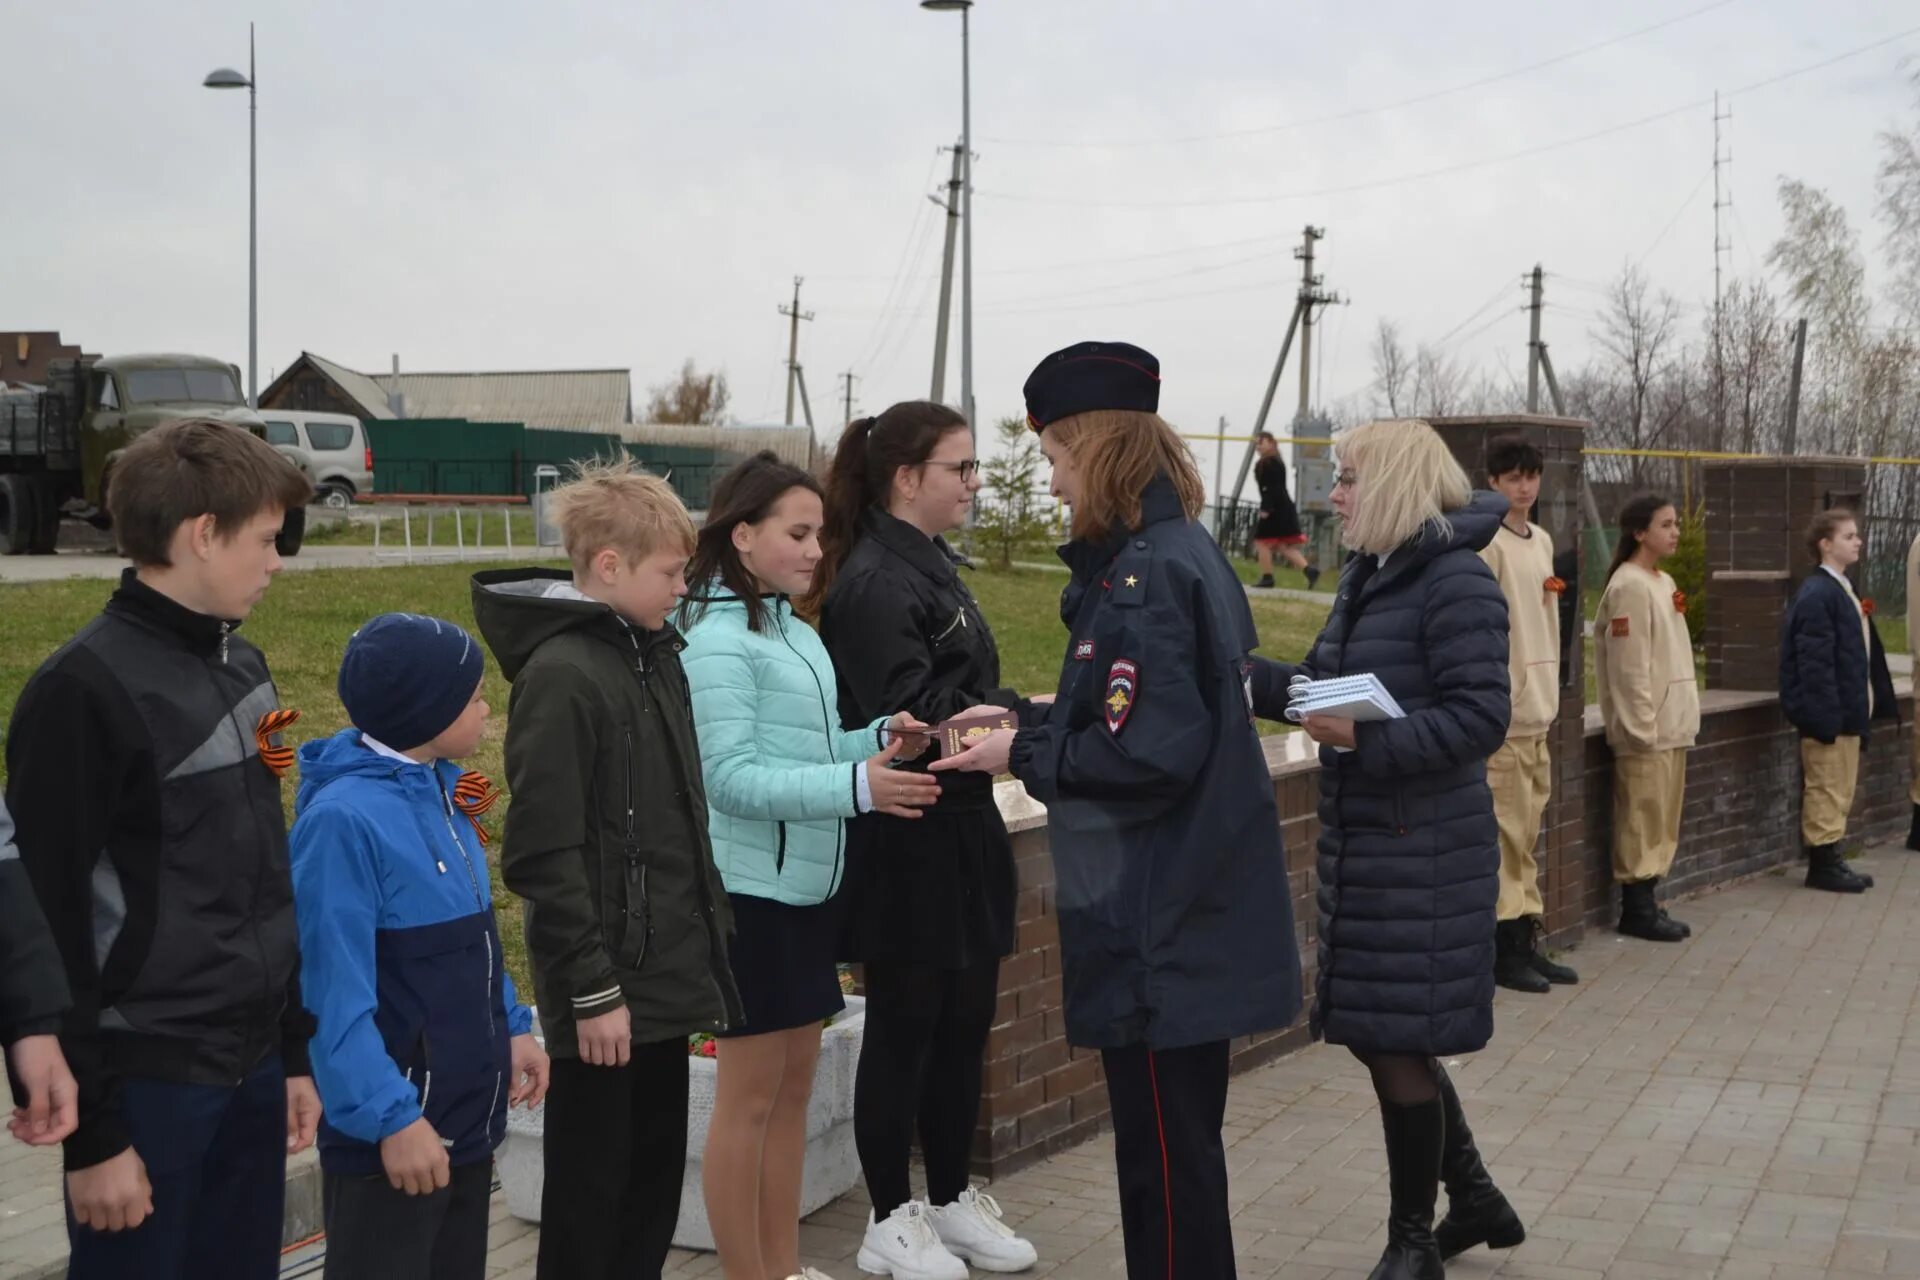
x=422, y=1043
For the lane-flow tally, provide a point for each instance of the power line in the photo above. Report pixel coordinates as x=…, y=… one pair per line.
x=1675, y=219
x=1075, y=264
x=1473, y=315
x=1129, y=284
x=1165, y=297
x=914, y=235
x=1356, y=113
x=1465, y=166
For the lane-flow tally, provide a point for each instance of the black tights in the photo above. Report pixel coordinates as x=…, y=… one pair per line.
x=920, y=1062
x=1403, y=1079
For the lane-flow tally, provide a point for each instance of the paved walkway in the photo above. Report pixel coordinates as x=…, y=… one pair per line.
x=1742, y=1106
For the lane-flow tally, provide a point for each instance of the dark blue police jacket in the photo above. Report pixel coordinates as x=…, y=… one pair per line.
x=1176, y=921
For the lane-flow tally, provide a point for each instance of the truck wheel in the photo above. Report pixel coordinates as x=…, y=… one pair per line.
x=293, y=532
x=19, y=513
x=46, y=532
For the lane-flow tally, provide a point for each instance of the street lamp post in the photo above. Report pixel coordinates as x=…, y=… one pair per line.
x=966, y=199
x=225, y=78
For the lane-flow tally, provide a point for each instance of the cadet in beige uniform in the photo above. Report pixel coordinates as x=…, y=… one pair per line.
x=1913, y=644
x=1650, y=702
x=1520, y=773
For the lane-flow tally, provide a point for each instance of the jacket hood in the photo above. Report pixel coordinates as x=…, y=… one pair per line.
x=516, y=615
x=325, y=761
x=1473, y=527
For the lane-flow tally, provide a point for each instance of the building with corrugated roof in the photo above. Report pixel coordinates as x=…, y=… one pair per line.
x=554, y=399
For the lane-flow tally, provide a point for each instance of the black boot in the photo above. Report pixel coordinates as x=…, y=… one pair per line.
x=1476, y=1211
x=1913, y=832
x=1415, y=1136
x=1640, y=916
x=1826, y=869
x=1313, y=575
x=1266, y=581
x=1512, y=951
x=1660, y=909
x=1557, y=974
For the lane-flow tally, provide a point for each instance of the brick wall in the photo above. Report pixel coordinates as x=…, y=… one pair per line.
x=1741, y=818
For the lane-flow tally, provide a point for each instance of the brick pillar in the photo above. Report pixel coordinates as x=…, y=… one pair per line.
x=1757, y=511
x=1562, y=861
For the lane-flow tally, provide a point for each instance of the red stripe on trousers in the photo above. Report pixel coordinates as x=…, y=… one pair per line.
x=1166, y=1180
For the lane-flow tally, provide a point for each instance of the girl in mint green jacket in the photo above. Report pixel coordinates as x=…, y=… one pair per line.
x=781, y=775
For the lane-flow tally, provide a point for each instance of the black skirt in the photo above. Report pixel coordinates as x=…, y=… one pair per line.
x=1282, y=520
x=935, y=891
x=783, y=963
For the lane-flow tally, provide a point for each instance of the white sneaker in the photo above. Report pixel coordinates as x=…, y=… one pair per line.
x=970, y=1227
x=906, y=1247
x=809, y=1273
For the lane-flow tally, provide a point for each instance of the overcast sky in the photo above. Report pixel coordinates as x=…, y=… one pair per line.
x=488, y=186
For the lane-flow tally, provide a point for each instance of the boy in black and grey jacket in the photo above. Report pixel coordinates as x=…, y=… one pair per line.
x=144, y=772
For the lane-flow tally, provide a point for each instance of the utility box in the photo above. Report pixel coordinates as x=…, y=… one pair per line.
x=546, y=478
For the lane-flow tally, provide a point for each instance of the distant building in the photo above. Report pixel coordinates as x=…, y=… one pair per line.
x=557, y=399
x=24, y=356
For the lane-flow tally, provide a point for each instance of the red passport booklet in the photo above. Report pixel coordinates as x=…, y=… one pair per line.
x=964, y=730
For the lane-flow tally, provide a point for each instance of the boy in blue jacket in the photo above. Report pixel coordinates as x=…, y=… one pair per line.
x=422, y=1043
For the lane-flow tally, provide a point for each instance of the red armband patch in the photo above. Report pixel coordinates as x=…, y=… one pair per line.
x=1123, y=690
x=1619, y=628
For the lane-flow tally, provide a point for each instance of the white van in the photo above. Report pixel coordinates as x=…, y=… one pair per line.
x=337, y=443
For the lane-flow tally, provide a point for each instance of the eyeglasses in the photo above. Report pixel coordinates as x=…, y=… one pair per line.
x=965, y=470
x=1346, y=480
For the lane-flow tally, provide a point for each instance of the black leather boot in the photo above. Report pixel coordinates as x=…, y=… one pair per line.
x=1476, y=1211
x=1557, y=974
x=1826, y=869
x=1415, y=1136
x=1660, y=909
x=1512, y=948
x=1640, y=916
x=1913, y=832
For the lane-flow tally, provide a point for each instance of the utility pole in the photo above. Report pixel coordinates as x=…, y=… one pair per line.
x=1720, y=245
x=1793, y=387
x=1219, y=458
x=952, y=205
x=806, y=405
x=1310, y=295
x=793, y=347
x=1534, y=347
x=848, y=379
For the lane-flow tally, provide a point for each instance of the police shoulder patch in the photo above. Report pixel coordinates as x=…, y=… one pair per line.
x=1621, y=627
x=1123, y=690
x=1083, y=651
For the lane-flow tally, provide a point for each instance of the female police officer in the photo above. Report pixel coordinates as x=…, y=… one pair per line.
x=1176, y=926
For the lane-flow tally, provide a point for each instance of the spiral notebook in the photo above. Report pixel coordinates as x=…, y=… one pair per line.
x=1360, y=697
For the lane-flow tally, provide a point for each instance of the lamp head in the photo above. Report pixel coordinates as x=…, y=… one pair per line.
x=226, y=78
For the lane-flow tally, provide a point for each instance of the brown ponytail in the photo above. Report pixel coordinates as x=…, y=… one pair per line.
x=861, y=475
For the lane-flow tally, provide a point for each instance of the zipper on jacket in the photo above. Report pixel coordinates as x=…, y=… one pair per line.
x=959, y=623
x=826, y=722
x=446, y=809
x=780, y=854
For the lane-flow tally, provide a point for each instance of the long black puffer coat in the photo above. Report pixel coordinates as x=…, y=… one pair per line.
x=1409, y=853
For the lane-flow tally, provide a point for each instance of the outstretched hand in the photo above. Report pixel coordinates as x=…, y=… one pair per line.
x=989, y=755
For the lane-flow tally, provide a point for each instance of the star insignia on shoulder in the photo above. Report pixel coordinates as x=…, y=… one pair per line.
x=1132, y=581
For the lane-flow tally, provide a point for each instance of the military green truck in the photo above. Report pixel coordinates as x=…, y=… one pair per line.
x=58, y=445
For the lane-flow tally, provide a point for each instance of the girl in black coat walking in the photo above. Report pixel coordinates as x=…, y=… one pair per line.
x=1409, y=852
x=931, y=901
x=1278, y=529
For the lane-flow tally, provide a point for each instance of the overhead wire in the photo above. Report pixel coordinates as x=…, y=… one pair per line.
x=1357, y=112
x=1466, y=166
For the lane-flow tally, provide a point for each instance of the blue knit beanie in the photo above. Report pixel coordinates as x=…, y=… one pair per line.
x=406, y=678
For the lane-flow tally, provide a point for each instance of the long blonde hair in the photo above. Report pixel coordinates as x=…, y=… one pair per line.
x=1407, y=480
x=1119, y=452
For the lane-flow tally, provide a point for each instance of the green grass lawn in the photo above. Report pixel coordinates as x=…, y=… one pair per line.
x=306, y=618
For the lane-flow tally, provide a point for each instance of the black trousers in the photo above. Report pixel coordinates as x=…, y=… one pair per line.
x=615, y=1148
x=377, y=1233
x=1168, y=1106
x=920, y=1063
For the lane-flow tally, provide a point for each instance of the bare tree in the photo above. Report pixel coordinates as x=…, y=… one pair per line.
x=690, y=397
x=1637, y=334
x=1438, y=381
x=1897, y=183
x=1391, y=367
